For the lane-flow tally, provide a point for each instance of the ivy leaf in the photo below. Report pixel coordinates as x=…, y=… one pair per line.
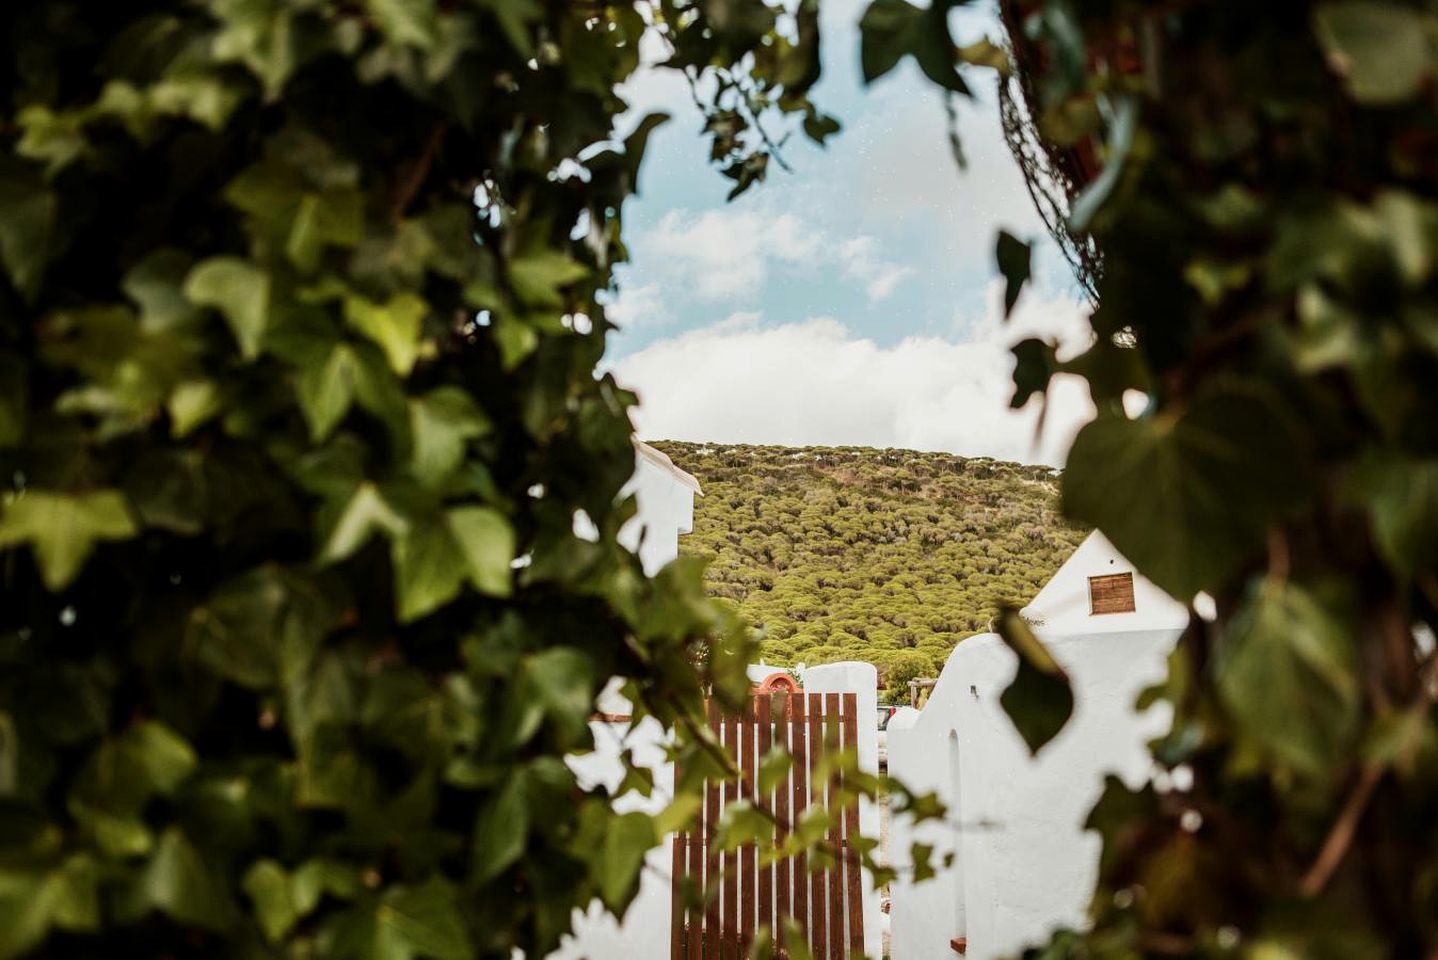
x=563, y=679
x=258, y=36
x=331, y=217
x=28, y=209
x=500, y=830
x=538, y=277
x=441, y=422
x=620, y=858
x=191, y=404
x=32, y=901
x=240, y=291
x=1034, y=367
x=986, y=53
x=364, y=514
x=234, y=631
x=1287, y=671
x=405, y=22
x=1012, y=255
x=1039, y=700
x=269, y=888
x=1383, y=51
x=774, y=769
x=393, y=325
x=819, y=127
x=1403, y=497
x=177, y=882
x=890, y=29
x=63, y=529
x=425, y=921
x=487, y=543
x=886, y=29
x=1200, y=488
x=326, y=390
x=429, y=569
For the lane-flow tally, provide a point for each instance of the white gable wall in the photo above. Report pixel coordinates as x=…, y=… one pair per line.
x=1062, y=606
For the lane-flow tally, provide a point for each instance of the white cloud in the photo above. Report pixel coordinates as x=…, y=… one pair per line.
x=638, y=305
x=727, y=253
x=814, y=383
x=861, y=261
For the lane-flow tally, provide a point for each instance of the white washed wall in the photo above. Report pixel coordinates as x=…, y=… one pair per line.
x=1024, y=865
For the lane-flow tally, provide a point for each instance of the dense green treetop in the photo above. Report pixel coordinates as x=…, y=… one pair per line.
x=888, y=556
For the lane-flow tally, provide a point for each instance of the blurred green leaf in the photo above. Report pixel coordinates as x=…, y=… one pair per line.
x=1383, y=51
x=240, y=291
x=1038, y=701
x=500, y=829
x=28, y=211
x=63, y=529
x=1012, y=255
x=539, y=277
x=394, y=325
x=1200, y=488
x=620, y=858
x=177, y=882
x=366, y=513
x=487, y=543
x=64, y=895
x=1287, y=671
x=441, y=422
x=429, y=568
x=1403, y=497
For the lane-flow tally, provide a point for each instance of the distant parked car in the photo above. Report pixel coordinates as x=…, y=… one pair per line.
x=886, y=711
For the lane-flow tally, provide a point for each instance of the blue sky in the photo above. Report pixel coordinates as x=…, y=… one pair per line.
x=851, y=301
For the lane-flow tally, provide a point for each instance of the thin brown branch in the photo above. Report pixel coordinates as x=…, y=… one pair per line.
x=409, y=186
x=1340, y=837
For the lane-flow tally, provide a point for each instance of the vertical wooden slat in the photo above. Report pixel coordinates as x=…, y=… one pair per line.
x=832, y=728
x=748, y=856
x=731, y=859
x=818, y=904
x=798, y=729
x=677, y=871
x=694, y=916
x=783, y=708
x=765, y=742
x=851, y=835
x=711, y=857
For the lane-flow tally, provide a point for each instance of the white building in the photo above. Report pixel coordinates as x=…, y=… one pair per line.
x=1023, y=864
x=665, y=496
x=665, y=499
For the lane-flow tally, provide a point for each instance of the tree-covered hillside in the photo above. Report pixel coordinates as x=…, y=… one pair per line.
x=890, y=556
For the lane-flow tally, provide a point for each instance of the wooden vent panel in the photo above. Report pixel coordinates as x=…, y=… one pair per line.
x=1111, y=594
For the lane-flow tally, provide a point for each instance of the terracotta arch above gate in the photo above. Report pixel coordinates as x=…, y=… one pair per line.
x=778, y=682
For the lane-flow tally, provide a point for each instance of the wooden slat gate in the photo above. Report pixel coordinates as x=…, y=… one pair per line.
x=745, y=897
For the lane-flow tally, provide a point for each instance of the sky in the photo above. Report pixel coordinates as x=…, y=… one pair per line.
x=853, y=301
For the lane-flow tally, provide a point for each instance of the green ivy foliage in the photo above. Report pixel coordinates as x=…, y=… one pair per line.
x=1266, y=202
x=886, y=556
x=300, y=313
